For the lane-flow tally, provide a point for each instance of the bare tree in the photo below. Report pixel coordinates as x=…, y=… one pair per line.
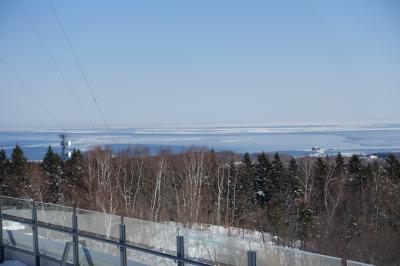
x=160, y=175
x=307, y=181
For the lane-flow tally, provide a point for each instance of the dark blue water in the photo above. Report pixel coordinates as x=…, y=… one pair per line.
x=292, y=140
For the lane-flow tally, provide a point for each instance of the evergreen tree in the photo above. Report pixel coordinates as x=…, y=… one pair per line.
x=293, y=180
x=18, y=180
x=245, y=186
x=263, y=179
x=18, y=162
x=52, y=168
x=321, y=170
x=249, y=177
x=277, y=177
x=275, y=214
x=305, y=220
x=354, y=165
x=293, y=193
x=73, y=175
x=339, y=161
x=276, y=206
x=355, y=168
x=4, y=168
x=393, y=166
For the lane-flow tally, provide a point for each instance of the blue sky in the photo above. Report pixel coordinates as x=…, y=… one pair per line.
x=204, y=62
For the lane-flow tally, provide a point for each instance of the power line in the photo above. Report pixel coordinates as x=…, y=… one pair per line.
x=37, y=99
x=81, y=69
x=58, y=68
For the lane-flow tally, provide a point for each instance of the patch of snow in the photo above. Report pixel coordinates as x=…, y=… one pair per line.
x=9, y=225
x=260, y=193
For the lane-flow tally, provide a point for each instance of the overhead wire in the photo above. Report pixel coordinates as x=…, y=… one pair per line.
x=76, y=58
x=57, y=66
x=30, y=92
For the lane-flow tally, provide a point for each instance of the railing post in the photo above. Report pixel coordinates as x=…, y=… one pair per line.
x=122, y=240
x=87, y=253
x=1, y=236
x=35, y=234
x=64, y=257
x=75, y=237
x=180, y=249
x=251, y=258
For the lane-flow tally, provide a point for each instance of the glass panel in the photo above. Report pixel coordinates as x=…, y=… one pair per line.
x=138, y=258
x=207, y=245
x=99, y=253
x=275, y=255
x=52, y=243
x=99, y=223
x=156, y=236
x=308, y=258
x=52, y=214
x=17, y=235
x=218, y=249
x=16, y=207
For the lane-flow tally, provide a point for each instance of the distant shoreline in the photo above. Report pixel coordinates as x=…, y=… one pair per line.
x=296, y=141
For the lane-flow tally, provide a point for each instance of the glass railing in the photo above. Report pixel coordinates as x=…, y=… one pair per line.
x=151, y=243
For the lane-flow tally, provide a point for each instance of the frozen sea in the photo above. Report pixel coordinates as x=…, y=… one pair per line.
x=293, y=140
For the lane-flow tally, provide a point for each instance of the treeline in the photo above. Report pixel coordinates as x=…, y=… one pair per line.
x=344, y=207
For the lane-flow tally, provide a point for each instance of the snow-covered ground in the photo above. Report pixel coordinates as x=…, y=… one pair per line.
x=9, y=225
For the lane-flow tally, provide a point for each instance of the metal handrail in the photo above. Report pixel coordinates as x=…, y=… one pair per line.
x=179, y=258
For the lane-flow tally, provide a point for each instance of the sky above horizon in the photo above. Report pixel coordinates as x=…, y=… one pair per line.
x=202, y=62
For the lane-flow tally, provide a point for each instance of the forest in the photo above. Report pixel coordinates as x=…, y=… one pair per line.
x=347, y=207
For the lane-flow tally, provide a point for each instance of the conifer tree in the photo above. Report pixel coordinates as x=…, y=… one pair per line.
x=18, y=180
x=276, y=208
x=305, y=220
x=277, y=177
x=263, y=179
x=275, y=215
x=52, y=168
x=339, y=164
x=393, y=166
x=4, y=168
x=74, y=173
x=293, y=180
x=321, y=169
x=355, y=168
x=354, y=165
x=18, y=161
x=245, y=187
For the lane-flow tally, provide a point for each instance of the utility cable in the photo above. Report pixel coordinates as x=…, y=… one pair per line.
x=57, y=66
x=81, y=69
x=26, y=88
